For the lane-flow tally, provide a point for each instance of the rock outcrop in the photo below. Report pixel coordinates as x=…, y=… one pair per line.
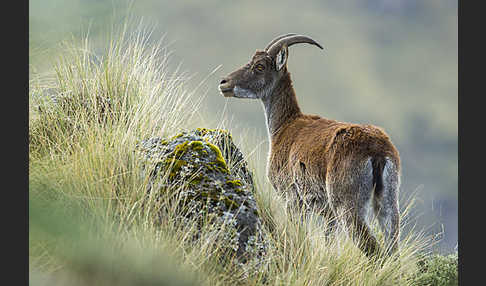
x=200, y=160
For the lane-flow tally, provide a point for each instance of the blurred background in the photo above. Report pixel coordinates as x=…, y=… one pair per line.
x=391, y=63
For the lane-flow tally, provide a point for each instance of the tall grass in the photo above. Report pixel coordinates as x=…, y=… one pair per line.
x=87, y=223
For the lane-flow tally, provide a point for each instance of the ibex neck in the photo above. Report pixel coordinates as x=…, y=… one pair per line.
x=281, y=106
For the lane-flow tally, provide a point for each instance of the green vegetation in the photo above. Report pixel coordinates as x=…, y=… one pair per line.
x=234, y=182
x=174, y=166
x=91, y=224
x=219, y=162
x=438, y=270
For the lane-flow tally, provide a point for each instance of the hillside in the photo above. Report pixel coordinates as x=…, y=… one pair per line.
x=388, y=63
x=90, y=222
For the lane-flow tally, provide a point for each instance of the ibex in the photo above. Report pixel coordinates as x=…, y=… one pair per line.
x=350, y=171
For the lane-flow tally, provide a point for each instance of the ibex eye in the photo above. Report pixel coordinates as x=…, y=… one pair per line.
x=260, y=67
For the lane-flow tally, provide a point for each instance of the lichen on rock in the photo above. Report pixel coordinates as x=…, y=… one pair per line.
x=217, y=183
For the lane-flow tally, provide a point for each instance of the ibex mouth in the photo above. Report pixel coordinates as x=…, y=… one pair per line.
x=226, y=91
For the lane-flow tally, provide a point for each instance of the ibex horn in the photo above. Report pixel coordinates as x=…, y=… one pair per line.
x=289, y=41
x=278, y=38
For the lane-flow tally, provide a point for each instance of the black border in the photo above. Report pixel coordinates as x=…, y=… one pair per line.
x=470, y=66
x=15, y=151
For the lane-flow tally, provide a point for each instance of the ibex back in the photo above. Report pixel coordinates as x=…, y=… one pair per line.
x=350, y=171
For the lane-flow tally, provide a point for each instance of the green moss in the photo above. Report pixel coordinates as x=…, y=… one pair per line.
x=180, y=149
x=210, y=195
x=196, y=145
x=176, y=136
x=206, y=131
x=234, y=183
x=203, y=131
x=230, y=204
x=197, y=179
x=214, y=167
x=209, y=167
x=202, y=148
x=227, y=200
x=219, y=161
x=175, y=165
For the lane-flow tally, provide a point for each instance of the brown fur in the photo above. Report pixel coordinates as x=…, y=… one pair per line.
x=321, y=162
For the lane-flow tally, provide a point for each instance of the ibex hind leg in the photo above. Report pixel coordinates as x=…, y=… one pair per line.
x=351, y=200
x=385, y=204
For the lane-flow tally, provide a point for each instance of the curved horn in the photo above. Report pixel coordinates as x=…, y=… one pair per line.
x=289, y=41
x=276, y=39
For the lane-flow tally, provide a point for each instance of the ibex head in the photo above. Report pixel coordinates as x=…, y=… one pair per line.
x=257, y=78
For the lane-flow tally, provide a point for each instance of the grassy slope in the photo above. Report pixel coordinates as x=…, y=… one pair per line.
x=87, y=226
x=401, y=55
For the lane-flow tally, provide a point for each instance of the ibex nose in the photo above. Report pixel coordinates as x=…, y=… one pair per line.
x=223, y=81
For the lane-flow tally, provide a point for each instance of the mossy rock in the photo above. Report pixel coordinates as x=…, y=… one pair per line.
x=231, y=153
x=216, y=182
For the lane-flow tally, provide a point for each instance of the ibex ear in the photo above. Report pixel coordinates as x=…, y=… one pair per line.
x=281, y=57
